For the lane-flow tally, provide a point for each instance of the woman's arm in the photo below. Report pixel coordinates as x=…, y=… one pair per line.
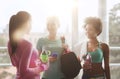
x=25, y=62
x=106, y=60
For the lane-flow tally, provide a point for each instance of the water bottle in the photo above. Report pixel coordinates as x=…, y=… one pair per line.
x=88, y=60
x=44, y=56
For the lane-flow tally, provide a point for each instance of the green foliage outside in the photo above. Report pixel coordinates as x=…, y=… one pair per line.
x=114, y=25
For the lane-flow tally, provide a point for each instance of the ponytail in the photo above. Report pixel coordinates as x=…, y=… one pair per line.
x=12, y=27
x=15, y=23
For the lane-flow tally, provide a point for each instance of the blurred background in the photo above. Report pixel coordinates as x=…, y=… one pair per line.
x=71, y=14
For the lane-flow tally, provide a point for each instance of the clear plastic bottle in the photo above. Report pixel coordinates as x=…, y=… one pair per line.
x=88, y=60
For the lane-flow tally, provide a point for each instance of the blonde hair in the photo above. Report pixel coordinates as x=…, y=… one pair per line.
x=53, y=19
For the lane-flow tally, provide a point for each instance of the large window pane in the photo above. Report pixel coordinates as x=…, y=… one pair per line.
x=115, y=72
x=114, y=22
x=113, y=8
x=4, y=57
x=40, y=10
x=3, y=39
x=115, y=56
x=7, y=72
x=83, y=12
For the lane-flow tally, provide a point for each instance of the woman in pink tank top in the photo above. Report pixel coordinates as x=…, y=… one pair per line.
x=22, y=54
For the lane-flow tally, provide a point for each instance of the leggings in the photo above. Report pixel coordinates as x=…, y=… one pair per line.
x=85, y=76
x=62, y=78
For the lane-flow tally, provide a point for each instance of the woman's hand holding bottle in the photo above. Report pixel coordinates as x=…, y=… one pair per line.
x=87, y=64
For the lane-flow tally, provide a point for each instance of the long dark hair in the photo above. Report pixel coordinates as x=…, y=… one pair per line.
x=15, y=23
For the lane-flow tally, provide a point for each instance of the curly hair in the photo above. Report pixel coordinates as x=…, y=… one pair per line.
x=95, y=22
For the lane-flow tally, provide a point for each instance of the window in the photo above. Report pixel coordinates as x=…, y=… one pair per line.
x=40, y=10
x=113, y=8
x=83, y=12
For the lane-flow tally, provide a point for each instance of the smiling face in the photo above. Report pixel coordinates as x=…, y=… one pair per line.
x=90, y=31
x=93, y=27
x=52, y=28
x=52, y=25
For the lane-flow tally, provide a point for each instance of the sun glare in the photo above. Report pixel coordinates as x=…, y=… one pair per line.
x=41, y=9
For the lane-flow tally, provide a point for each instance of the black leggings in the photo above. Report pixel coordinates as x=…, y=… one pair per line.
x=62, y=78
x=85, y=76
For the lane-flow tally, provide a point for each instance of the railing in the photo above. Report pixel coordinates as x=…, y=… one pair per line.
x=114, y=64
x=1, y=48
x=5, y=64
x=114, y=48
x=9, y=64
